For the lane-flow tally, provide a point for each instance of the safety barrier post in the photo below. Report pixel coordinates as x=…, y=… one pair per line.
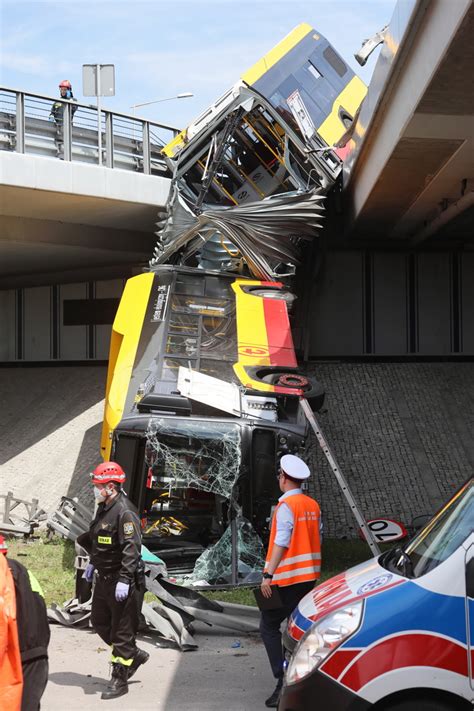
x=146, y=148
x=67, y=133
x=109, y=140
x=20, y=123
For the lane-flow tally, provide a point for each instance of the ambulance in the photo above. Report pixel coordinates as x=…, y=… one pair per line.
x=395, y=633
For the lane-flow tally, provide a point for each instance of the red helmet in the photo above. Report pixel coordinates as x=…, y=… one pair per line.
x=65, y=84
x=3, y=545
x=108, y=471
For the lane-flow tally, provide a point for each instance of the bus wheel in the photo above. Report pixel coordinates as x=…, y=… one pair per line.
x=312, y=389
x=293, y=380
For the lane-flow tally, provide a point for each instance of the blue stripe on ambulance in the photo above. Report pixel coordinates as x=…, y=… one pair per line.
x=300, y=620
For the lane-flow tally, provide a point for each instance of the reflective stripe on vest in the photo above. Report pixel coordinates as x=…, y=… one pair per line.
x=302, y=560
x=35, y=586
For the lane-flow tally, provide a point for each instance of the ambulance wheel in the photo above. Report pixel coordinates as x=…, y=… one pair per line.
x=421, y=705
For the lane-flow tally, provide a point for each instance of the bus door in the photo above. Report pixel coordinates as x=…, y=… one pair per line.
x=264, y=486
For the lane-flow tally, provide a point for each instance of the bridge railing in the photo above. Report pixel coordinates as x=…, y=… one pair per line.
x=72, y=133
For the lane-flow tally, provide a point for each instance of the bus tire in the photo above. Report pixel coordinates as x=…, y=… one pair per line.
x=313, y=390
x=293, y=380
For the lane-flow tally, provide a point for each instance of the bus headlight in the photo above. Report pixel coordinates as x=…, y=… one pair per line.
x=321, y=639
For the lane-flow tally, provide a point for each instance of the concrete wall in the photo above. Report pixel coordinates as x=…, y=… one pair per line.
x=401, y=433
x=393, y=304
x=34, y=328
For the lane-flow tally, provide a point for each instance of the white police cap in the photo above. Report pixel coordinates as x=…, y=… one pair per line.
x=294, y=467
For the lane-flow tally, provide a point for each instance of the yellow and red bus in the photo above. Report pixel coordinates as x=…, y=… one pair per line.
x=194, y=468
x=272, y=126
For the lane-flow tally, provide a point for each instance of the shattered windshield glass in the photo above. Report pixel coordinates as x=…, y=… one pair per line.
x=214, y=566
x=196, y=455
x=191, y=496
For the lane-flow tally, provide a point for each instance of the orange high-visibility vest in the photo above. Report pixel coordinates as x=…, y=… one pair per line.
x=301, y=562
x=11, y=675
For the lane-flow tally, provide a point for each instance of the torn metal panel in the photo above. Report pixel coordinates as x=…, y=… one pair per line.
x=215, y=565
x=70, y=519
x=189, y=602
x=71, y=614
x=265, y=234
x=171, y=619
x=189, y=597
x=231, y=622
x=169, y=626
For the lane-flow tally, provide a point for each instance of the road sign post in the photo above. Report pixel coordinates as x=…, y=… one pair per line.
x=98, y=80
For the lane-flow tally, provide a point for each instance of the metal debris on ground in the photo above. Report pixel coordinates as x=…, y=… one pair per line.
x=171, y=617
x=72, y=614
x=70, y=519
x=20, y=517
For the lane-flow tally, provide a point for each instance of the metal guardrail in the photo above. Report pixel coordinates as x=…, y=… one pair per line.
x=127, y=142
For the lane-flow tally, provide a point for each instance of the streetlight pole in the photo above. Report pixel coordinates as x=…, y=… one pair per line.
x=184, y=95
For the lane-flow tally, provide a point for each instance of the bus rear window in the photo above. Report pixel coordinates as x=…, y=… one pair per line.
x=334, y=61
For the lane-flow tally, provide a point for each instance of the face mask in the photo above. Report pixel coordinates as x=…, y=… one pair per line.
x=99, y=494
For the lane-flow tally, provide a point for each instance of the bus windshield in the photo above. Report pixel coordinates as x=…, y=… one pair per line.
x=189, y=499
x=192, y=454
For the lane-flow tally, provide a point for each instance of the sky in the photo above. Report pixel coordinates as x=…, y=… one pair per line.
x=161, y=48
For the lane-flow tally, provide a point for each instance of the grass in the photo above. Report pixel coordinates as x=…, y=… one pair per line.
x=52, y=562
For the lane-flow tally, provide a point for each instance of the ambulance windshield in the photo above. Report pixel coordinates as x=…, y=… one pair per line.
x=444, y=533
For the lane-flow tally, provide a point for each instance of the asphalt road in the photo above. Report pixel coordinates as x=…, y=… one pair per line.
x=216, y=676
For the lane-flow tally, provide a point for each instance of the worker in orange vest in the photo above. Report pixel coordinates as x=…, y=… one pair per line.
x=11, y=677
x=33, y=632
x=293, y=560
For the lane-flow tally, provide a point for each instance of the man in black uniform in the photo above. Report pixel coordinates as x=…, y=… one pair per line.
x=33, y=632
x=114, y=545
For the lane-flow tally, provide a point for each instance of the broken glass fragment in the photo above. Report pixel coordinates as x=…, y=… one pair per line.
x=215, y=564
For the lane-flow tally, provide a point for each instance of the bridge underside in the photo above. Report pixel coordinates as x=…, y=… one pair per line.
x=413, y=168
x=49, y=237
x=63, y=222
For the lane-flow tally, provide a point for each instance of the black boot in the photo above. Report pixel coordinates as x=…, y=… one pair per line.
x=140, y=658
x=272, y=701
x=118, y=683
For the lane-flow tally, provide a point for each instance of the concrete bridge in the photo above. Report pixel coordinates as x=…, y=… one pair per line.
x=65, y=218
x=410, y=174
